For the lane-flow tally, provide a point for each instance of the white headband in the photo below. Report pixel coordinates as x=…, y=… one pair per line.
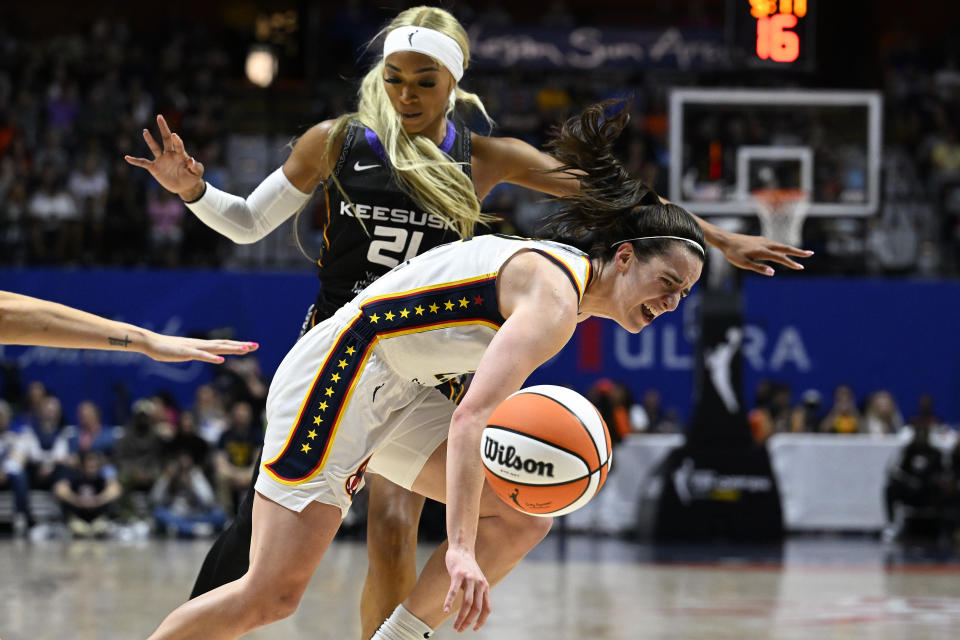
x=696, y=244
x=431, y=42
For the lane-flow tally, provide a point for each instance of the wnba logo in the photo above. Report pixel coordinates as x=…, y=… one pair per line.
x=353, y=483
x=507, y=458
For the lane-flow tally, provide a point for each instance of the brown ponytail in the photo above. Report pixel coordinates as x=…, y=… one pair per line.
x=611, y=205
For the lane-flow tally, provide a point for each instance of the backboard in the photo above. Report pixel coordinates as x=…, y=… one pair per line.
x=727, y=143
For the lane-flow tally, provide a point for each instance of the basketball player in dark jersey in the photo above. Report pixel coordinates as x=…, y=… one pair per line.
x=414, y=180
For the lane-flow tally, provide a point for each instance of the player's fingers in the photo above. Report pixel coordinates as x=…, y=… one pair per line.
x=774, y=256
x=154, y=147
x=138, y=162
x=796, y=266
x=758, y=267
x=455, y=582
x=177, y=143
x=465, y=615
x=164, y=131
x=192, y=353
x=228, y=347
x=194, y=167
x=789, y=250
x=484, y=610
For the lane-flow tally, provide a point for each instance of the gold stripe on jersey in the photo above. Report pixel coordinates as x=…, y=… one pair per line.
x=570, y=270
x=310, y=437
x=431, y=288
x=326, y=225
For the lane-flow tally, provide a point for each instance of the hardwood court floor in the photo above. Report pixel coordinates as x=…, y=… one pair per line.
x=569, y=589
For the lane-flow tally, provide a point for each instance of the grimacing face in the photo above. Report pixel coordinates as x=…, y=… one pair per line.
x=419, y=89
x=646, y=289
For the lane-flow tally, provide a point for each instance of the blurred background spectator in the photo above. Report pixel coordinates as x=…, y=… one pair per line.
x=89, y=432
x=184, y=503
x=88, y=494
x=805, y=417
x=46, y=444
x=236, y=453
x=915, y=485
x=13, y=475
x=881, y=415
x=843, y=416
x=139, y=454
x=613, y=401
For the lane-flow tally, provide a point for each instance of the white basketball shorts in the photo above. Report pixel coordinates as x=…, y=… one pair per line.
x=335, y=410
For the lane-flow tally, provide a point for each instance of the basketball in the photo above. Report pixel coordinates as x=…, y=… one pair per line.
x=546, y=450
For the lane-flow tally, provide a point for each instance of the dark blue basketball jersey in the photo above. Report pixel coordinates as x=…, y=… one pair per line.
x=397, y=227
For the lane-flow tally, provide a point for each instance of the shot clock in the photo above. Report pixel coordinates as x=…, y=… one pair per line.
x=773, y=33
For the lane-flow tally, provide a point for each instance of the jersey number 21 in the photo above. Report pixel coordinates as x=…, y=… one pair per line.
x=393, y=240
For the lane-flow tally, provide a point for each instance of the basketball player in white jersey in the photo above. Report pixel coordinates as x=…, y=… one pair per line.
x=354, y=394
x=415, y=180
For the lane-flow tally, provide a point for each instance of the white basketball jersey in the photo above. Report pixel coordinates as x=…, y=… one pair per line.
x=432, y=317
x=428, y=319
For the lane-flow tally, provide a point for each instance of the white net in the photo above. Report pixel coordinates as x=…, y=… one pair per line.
x=782, y=213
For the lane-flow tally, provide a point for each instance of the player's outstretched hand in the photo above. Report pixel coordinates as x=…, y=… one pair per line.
x=749, y=252
x=176, y=349
x=466, y=576
x=172, y=167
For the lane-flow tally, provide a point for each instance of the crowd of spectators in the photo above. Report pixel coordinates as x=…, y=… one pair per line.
x=174, y=470
x=72, y=105
x=877, y=413
x=922, y=489
x=923, y=480
x=774, y=410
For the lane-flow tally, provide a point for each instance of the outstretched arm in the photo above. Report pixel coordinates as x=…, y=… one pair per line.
x=747, y=252
x=244, y=220
x=31, y=321
x=528, y=284
x=514, y=161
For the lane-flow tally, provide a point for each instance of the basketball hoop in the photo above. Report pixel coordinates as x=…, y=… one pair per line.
x=781, y=213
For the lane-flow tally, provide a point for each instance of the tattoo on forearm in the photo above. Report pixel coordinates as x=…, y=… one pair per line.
x=120, y=342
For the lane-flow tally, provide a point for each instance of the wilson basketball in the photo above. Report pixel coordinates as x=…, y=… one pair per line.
x=546, y=450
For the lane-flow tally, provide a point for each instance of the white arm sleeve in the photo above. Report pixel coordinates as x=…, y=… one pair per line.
x=245, y=221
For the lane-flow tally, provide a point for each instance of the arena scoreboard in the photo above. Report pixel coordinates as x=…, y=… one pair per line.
x=773, y=34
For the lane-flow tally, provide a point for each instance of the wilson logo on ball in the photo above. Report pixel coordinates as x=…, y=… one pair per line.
x=506, y=457
x=545, y=450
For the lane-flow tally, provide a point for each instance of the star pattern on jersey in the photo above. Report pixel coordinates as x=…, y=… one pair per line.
x=329, y=391
x=437, y=306
x=450, y=304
